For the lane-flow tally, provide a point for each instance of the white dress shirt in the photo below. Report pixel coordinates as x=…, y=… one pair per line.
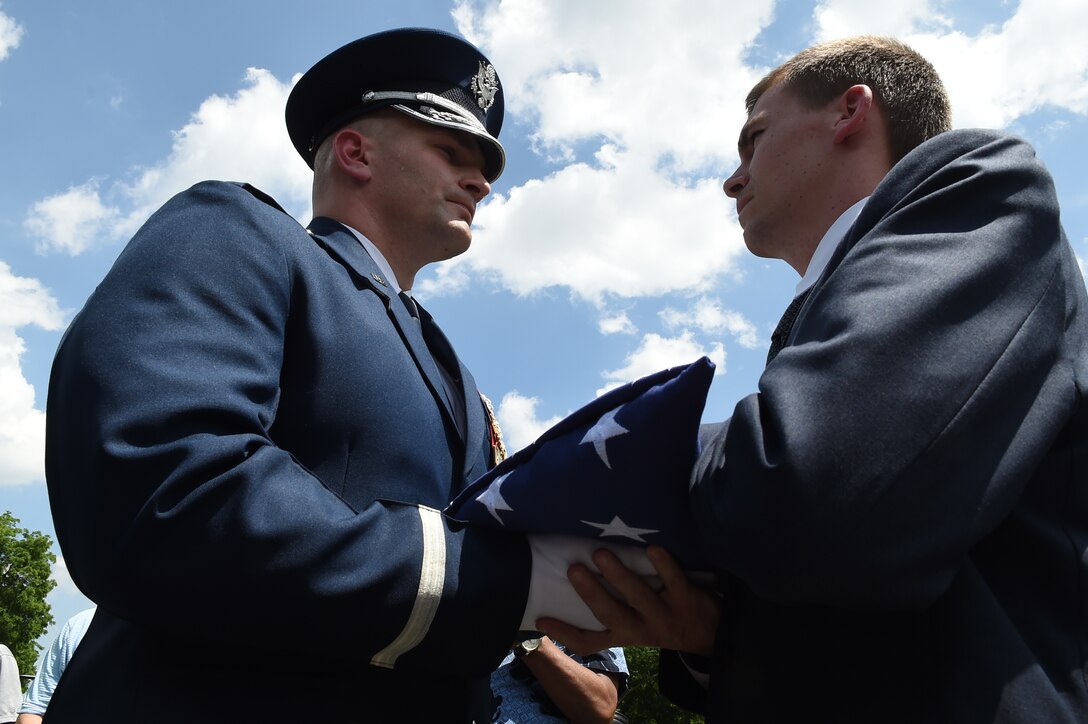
x=827, y=246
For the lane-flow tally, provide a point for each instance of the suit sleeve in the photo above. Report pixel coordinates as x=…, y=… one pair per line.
x=926, y=378
x=177, y=511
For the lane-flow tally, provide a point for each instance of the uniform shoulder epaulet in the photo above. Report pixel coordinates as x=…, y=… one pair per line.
x=262, y=196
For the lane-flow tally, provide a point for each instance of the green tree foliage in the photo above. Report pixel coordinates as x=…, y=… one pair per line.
x=25, y=562
x=643, y=703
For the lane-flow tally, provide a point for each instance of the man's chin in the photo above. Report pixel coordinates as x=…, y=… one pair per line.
x=757, y=246
x=460, y=241
x=464, y=232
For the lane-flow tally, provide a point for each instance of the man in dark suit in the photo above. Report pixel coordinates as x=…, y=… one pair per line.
x=252, y=428
x=900, y=514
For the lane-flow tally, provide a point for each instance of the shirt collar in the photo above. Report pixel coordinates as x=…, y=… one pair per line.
x=827, y=246
x=378, y=258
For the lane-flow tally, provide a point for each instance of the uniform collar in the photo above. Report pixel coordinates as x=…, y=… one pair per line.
x=378, y=258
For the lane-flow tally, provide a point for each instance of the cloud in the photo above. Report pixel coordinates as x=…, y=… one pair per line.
x=72, y=221
x=641, y=105
x=232, y=138
x=708, y=316
x=638, y=105
x=65, y=585
x=634, y=72
x=621, y=230
x=11, y=34
x=518, y=420
x=988, y=79
x=838, y=18
x=658, y=353
x=617, y=324
x=23, y=302
x=517, y=414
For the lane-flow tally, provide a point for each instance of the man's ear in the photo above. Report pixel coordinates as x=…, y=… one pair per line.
x=352, y=152
x=854, y=105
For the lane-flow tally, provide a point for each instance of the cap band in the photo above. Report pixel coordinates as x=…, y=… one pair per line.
x=454, y=112
x=452, y=115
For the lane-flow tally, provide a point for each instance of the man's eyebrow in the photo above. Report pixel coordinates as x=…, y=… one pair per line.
x=744, y=139
x=462, y=140
x=464, y=143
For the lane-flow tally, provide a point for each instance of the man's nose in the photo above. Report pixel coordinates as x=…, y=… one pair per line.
x=476, y=185
x=735, y=183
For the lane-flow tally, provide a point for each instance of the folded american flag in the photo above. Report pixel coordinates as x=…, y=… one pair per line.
x=617, y=469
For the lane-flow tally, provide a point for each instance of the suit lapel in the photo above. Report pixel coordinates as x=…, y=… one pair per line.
x=343, y=246
x=475, y=425
x=781, y=333
x=470, y=400
x=470, y=396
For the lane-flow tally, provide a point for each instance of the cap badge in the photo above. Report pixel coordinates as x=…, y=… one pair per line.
x=485, y=84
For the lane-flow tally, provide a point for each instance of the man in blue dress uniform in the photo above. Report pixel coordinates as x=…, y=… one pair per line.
x=252, y=428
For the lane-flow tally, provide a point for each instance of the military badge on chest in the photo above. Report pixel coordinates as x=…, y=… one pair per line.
x=494, y=434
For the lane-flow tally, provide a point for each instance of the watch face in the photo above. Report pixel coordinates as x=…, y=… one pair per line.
x=528, y=646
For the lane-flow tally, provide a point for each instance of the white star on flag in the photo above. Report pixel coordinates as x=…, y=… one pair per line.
x=619, y=528
x=561, y=484
x=606, y=428
x=492, y=498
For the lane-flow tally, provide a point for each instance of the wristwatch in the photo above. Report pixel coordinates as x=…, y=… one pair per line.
x=526, y=647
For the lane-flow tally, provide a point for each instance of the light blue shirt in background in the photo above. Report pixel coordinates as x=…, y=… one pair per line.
x=56, y=659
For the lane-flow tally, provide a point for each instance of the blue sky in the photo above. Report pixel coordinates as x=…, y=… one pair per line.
x=607, y=250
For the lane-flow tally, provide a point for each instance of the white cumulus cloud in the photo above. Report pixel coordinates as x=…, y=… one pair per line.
x=518, y=420
x=11, y=34
x=635, y=72
x=838, y=18
x=620, y=230
x=23, y=302
x=708, y=316
x=72, y=221
x=639, y=104
x=231, y=138
x=65, y=585
x=1035, y=58
x=657, y=353
x=618, y=323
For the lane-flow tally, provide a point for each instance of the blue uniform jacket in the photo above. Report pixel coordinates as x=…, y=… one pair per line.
x=247, y=450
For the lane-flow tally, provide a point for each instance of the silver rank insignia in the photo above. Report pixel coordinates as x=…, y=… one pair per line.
x=485, y=84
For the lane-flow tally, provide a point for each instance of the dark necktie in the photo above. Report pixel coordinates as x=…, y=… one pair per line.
x=444, y=359
x=782, y=331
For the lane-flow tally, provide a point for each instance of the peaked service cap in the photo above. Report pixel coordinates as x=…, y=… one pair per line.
x=433, y=76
